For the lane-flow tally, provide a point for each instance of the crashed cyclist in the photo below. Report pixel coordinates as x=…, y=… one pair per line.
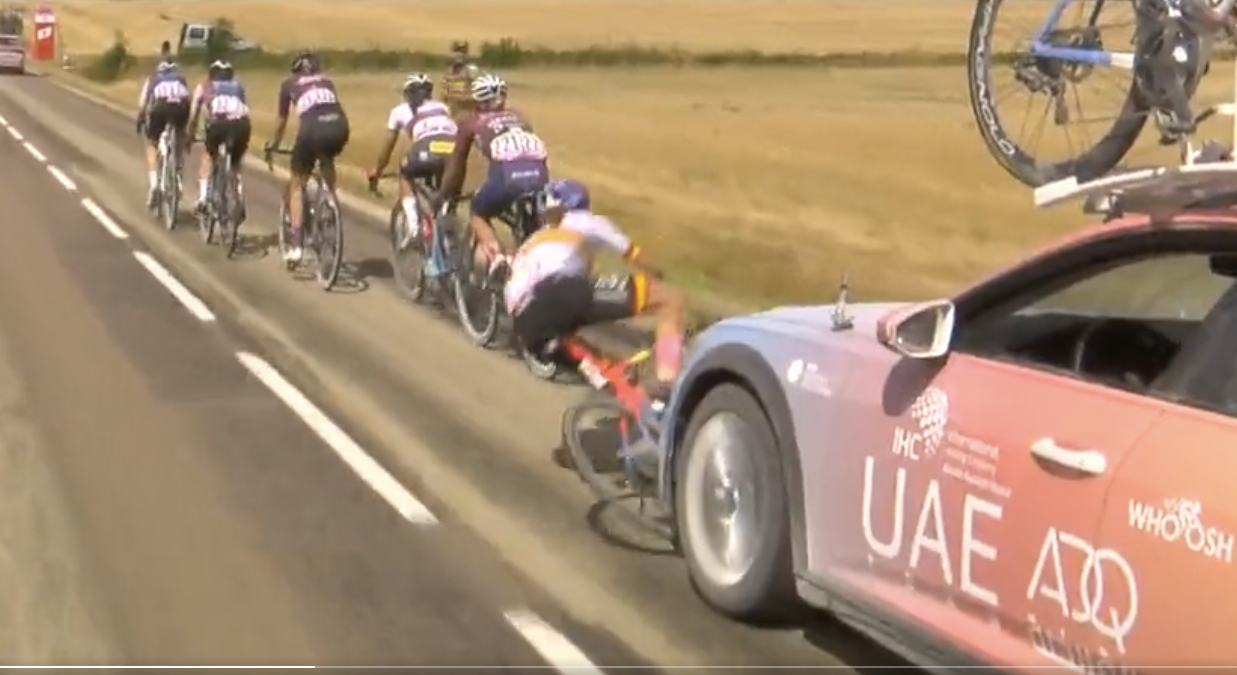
x=321, y=136
x=517, y=160
x=550, y=292
x=164, y=102
x=430, y=129
x=457, y=81
x=222, y=97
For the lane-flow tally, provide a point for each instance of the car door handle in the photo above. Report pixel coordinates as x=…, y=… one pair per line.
x=1090, y=462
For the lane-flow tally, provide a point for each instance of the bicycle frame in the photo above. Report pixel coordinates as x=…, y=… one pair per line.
x=602, y=373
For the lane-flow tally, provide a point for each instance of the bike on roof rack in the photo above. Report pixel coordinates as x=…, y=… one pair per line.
x=1171, y=45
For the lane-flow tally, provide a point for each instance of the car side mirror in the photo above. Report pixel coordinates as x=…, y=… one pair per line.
x=919, y=331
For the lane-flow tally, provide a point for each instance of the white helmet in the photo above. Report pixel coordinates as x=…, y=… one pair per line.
x=488, y=87
x=417, y=80
x=166, y=66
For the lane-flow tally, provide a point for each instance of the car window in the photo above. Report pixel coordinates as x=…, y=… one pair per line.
x=1122, y=324
x=197, y=33
x=1181, y=287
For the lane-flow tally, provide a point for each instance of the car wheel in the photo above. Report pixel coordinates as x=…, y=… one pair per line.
x=731, y=509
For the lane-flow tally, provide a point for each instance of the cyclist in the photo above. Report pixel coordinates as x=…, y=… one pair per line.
x=432, y=131
x=164, y=102
x=551, y=293
x=320, y=138
x=517, y=163
x=227, y=124
x=457, y=81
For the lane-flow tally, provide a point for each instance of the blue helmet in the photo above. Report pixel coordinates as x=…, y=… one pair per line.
x=568, y=195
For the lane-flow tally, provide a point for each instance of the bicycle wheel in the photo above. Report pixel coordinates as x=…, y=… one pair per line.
x=328, y=238
x=476, y=303
x=1056, y=83
x=208, y=216
x=408, y=254
x=229, y=218
x=593, y=434
x=171, y=183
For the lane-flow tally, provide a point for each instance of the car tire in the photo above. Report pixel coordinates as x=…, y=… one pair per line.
x=764, y=591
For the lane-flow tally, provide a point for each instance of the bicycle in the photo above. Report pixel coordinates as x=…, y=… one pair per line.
x=1172, y=44
x=167, y=201
x=223, y=206
x=615, y=390
x=522, y=218
x=322, y=228
x=426, y=251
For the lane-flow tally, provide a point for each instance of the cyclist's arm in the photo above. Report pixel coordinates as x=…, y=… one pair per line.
x=199, y=98
x=284, y=109
x=396, y=121
x=143, y=97
x=601, y=232
x=457, y=165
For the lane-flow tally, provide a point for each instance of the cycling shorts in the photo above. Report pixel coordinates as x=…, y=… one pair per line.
x=161, y=114
x=427, y=160
x=322, y=136
x=233, y=134
x=506, y=182
x=559, y=306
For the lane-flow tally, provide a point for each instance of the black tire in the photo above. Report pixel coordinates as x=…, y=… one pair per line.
x=408, y=263
x=543, y=368
x=327, y=212
x=766, y=591
x=229, y=236
x=482, y=332
x=1092, y=163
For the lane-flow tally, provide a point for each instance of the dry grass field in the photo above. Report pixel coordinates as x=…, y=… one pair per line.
x=763, y=184
x=766, y=25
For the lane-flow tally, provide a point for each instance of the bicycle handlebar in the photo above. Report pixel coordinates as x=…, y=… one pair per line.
x=267, y=153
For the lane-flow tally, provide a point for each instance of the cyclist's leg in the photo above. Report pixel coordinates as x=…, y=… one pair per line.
x=332, y=140
x=555, y=308
x=504, y=182
x=212, y=136
x=156, y=122
x=408, y=173
x=301, y=163
x=238, y=145
x=180, y=118
x=622, y=297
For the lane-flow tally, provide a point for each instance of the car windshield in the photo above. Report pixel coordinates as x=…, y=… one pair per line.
x=10, y=41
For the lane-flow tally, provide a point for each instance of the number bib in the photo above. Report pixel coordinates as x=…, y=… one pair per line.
x=170, y=91
x=314, y=97
x=437, y=125
x=228, y=107
x=517, y=144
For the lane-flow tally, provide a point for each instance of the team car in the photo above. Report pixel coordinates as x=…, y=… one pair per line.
x=1037, y=471
x=12, y=54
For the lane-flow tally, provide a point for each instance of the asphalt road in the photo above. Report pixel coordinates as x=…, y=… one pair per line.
x=219, y=462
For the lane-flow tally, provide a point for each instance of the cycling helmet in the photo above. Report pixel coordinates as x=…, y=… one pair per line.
x=488, y=87
x=568, y=195
x=221, y=70
x=418, y=82
x=459, y=47
x=305, y=63
x=166, y=66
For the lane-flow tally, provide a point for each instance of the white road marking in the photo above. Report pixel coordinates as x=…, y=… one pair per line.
x=34, y=152
x=552, y=645
x=3, y=122
x=191, y=302
x=15, y=133
x=62, y=178
x=104, y=219
x=353, y=455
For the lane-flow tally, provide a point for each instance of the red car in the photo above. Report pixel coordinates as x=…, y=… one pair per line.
x=12, y=54
x=1039, y=471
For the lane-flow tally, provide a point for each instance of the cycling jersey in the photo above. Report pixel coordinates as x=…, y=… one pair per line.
x=516, y=155
x=456, y=85
x=309, y=95
x=222, y=100
x=560, y=252
x=430, y=127
x=166, y=86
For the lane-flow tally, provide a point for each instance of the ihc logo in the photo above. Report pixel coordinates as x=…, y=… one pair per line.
x=930, y=411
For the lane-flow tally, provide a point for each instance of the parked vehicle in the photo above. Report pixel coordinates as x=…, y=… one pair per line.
x=12, y=54
x=1035, y=472
x=197, y=35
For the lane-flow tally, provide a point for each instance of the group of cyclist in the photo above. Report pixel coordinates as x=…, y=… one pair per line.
x=550, y=291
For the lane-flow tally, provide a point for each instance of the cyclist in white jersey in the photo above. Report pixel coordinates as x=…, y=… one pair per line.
x=551, y=292
x=431, y=130
x=222, y=98
x=164, y=102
